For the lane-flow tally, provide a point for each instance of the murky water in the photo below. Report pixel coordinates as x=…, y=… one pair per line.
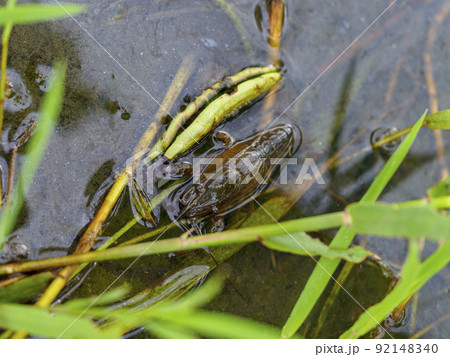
x=337, y=98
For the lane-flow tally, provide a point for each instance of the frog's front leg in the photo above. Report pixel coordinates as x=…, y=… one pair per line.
x=172, y=171
x=222, y=138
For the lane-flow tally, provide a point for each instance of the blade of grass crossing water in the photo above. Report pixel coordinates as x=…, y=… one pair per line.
x=42, y=322
x=32, y=13
x=413, y=222
x=402, y=291
x=326, y=267
x=5, y=42
x=49, y=113
x=433, y=264
x=220, y=325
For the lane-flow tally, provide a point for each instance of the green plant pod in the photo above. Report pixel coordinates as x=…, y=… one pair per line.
x=219, y=109
x=439, y=120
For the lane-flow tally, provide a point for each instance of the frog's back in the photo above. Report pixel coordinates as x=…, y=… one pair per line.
x=244, y=173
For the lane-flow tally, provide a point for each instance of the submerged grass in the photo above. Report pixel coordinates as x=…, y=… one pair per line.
x=178, y=319
x=31, y=13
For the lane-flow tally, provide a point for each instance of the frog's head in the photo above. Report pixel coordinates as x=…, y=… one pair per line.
x=279, y=141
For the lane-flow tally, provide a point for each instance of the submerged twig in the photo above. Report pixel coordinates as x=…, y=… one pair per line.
x=338, y=284
x=173, y=92
x=420, y=333
x=276, y=17
x=238, y=25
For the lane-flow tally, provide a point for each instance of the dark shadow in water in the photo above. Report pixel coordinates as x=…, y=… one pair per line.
x=340, y=111
x=41, y=45
x=102, y=174
x=361, y=171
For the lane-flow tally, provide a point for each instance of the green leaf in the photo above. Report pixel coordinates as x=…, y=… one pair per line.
x=302, y=244
x=7, y=25
x=432, y=265
x=108, y=297
x=402, y=291
x=41, y=322
x=442, y=188
x=31, y=13
x=49, y=113
x=219, y=325
x=22, y=290
x=392, y=220
x=326, y=267
x=439, y=120
x=170, y=330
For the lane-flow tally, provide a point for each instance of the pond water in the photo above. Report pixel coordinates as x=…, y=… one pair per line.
x=343, y=78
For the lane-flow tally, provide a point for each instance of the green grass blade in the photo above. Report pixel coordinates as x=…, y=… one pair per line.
x=303, y=244
x=21, y=290
x=442, y=188
x=7, y=28
x=326, y=267
x=7, y=25
x=432, y=265
x=31, y=13
x=392, y=164
x=398, y=221
x=49, y=113
x=168, y=330
x=41, y=322
x=108, y=297
x=402, y=291
x=219, y=325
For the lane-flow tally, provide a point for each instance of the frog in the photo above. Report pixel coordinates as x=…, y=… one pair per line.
x=231, y=177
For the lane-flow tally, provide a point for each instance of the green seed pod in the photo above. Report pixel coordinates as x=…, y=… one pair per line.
x=439, y=120
x=181, y=118
x=219, y=109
